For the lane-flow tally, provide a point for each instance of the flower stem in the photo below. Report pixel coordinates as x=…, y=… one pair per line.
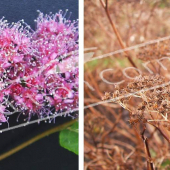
x=150, y=165
x=36, y=138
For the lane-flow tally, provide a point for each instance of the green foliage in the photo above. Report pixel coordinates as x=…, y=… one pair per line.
x=92, y=64
x=164, y=3
x=165, y=163
x=153, y=153
x=69, y=138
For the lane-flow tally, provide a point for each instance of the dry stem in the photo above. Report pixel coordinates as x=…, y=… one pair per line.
x=105, y=6
x=145, y=140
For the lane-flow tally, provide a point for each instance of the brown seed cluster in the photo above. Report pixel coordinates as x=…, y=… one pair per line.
x=154, y=51
x=147, y=98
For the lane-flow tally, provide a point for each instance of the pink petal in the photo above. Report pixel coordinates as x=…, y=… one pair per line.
x=2, y=118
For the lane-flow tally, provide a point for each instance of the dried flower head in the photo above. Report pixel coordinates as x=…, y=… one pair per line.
x=151, y=96
x=154, y=51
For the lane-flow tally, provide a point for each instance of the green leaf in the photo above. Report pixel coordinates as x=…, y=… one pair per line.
x=69, y=138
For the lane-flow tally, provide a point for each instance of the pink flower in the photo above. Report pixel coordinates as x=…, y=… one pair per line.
x=2, y=118
x=39, y=70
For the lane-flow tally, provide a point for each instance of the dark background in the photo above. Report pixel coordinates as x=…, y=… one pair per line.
x=45, y=154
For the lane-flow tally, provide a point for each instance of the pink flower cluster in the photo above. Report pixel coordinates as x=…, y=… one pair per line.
x=39, y=69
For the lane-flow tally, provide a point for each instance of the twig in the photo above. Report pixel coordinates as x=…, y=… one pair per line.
x=163, y=134
x=91, y=162
x=150, y=16
x=111, y=130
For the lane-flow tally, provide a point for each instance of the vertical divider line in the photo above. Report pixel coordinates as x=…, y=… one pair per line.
x=81, y=84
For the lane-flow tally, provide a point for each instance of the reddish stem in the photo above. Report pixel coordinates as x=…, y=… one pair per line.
x=105, y=6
